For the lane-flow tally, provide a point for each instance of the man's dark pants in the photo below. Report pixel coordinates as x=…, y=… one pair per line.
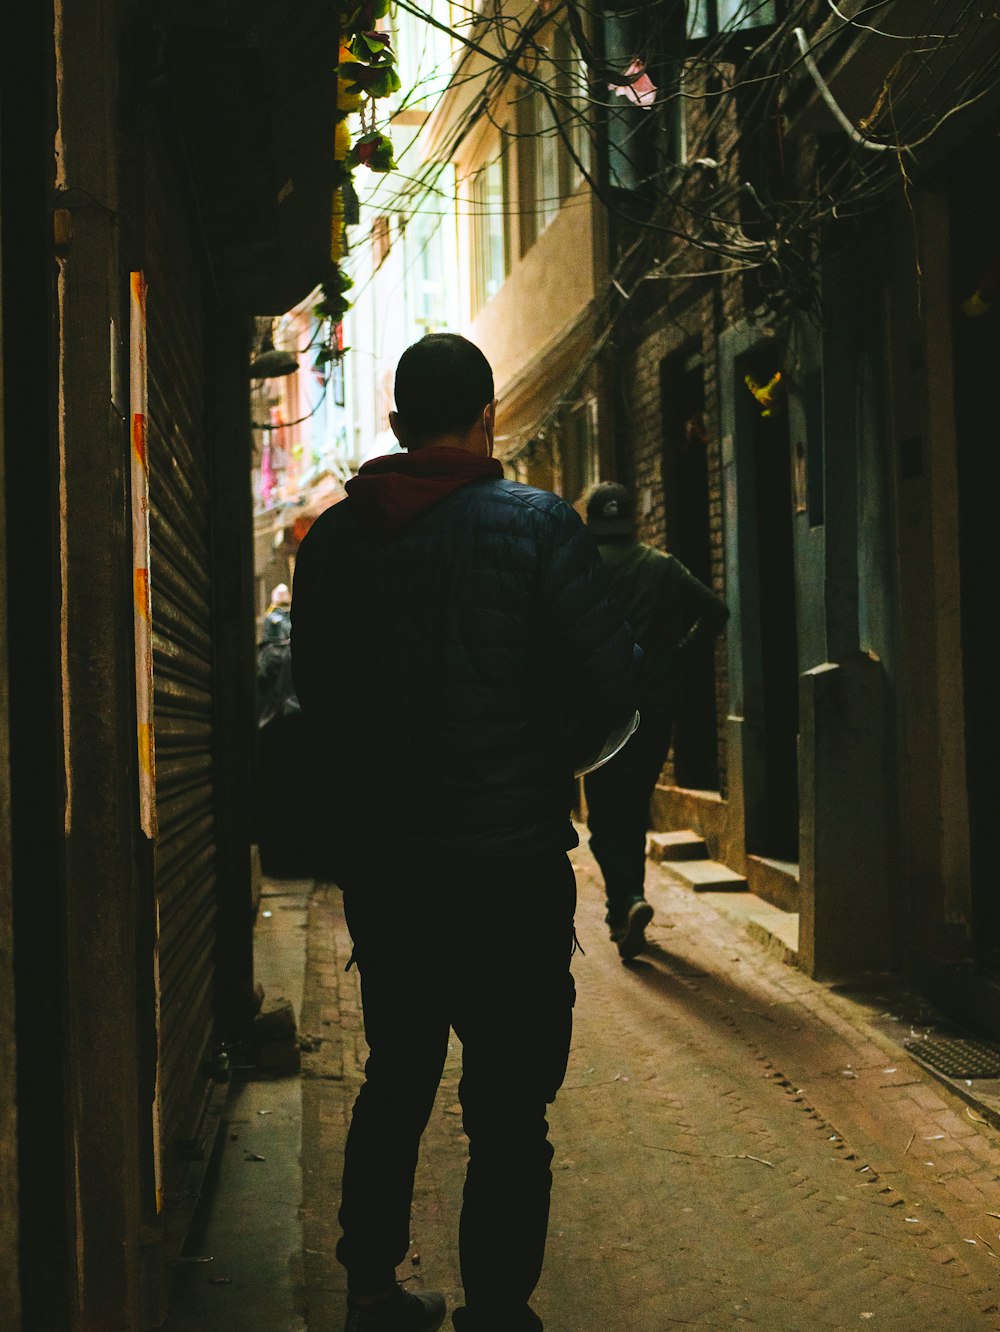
x=618, y=797
x=486, y=950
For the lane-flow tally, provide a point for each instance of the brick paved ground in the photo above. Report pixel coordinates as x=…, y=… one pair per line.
x=735, y=1147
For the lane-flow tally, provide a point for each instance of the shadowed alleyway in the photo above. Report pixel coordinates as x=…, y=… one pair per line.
x=735, y=1146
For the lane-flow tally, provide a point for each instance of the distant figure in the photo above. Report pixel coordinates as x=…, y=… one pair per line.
x=276, y=623
x=458, y=655
x=283, y=816
x=669, y=612
x=275, y=690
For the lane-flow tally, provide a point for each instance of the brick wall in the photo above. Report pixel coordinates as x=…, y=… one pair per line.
x=667, y=334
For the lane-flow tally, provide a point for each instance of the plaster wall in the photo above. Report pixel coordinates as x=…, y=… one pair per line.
x=546, y=294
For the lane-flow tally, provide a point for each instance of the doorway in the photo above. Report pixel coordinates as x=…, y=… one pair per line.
x=772, y=705
x=688, y=524
x=975, y=267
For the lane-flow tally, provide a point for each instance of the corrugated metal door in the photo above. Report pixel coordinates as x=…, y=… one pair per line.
x=181, y=582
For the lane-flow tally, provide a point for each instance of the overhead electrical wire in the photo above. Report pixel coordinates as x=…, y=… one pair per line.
x=687, y=211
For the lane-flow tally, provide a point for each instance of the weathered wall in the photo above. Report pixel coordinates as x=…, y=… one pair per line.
x=29, y=813
x=9, y=1292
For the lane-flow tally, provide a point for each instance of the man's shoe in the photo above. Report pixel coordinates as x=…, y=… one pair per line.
x=630, y=935
x=409, y=1311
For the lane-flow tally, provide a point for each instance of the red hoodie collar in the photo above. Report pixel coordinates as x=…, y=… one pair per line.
x=389, y=492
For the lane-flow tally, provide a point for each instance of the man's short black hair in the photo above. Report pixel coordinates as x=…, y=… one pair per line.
x=443, y=382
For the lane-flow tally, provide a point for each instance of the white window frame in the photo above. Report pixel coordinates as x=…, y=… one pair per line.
x=489, y=229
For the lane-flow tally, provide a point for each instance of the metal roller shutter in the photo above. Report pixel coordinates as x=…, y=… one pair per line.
x=181, y=584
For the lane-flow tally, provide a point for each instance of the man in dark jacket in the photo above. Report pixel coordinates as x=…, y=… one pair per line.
x=457, y=654
x=670, y=612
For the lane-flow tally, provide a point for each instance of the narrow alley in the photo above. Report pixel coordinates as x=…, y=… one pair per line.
x=736, y=1146
x=402, y=406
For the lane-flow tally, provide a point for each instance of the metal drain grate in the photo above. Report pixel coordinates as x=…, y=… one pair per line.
x=956, y=1056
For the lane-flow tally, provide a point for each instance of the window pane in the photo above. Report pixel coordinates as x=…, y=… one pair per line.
x=488, y=231
x=697, y=18
x=628, y=146
x=578, y=450
x=547, y=146
x=738, y=14
x=580, y=133
x=426, y=271
x=573, y=85
x=620, y=39
x=705, y=18
x=629, y=127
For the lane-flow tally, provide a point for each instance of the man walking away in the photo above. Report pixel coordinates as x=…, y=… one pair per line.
x=670, y=612
x=457, y=653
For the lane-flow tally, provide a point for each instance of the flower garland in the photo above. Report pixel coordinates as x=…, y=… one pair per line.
x=366, y=71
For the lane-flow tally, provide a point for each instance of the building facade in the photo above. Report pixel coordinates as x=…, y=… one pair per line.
x=166, y=175
x=810, y=445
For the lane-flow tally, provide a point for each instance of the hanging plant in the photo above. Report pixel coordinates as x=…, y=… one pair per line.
x=366, y=14
x=366, y=72
x=335, y=303
x=373, y=150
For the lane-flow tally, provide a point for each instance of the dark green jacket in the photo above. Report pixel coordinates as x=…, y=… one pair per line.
x=668, y=610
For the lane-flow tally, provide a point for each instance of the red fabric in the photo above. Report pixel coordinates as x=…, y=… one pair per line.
x=389, y=492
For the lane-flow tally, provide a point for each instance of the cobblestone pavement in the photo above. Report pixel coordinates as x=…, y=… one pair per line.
x=734, y=1147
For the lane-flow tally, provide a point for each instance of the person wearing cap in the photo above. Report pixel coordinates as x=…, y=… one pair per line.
x=458, y=653
x=670, y=612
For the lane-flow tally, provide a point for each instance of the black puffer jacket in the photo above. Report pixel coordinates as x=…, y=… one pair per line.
x=455, y=655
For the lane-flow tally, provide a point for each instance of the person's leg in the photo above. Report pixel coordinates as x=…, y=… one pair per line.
x=513, y=1012
x=618, y=797
x=614, y=815
x=406, y=1025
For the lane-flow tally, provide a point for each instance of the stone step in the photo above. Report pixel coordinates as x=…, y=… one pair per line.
x=777, y=930
x=706, y=876
x=678, y=845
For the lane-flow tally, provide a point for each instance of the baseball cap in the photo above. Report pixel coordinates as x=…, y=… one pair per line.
x=609, y=510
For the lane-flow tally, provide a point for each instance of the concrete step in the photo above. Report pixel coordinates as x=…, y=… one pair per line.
x=706, y=876
x=678, y=845
x=777, y=930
